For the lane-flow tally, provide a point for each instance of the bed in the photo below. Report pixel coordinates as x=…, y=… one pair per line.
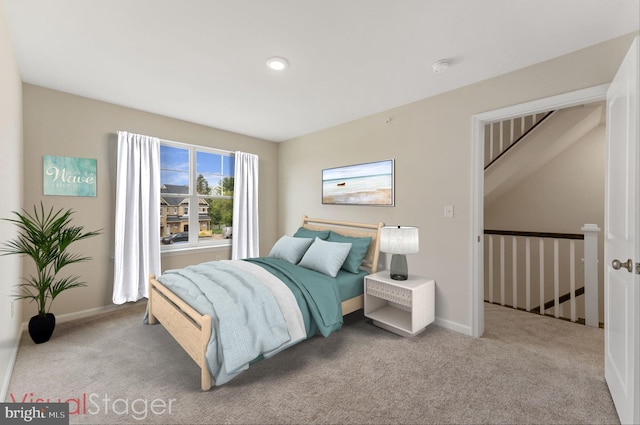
x=194, y=331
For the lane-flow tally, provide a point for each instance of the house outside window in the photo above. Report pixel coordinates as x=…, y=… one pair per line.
x=201, y=180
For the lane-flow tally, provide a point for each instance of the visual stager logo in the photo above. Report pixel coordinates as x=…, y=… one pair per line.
x=35, y=413
x=92, y=404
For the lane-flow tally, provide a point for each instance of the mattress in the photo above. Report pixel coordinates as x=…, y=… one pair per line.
x=350, y=285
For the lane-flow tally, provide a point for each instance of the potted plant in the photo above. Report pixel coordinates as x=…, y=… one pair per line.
x=45, y=237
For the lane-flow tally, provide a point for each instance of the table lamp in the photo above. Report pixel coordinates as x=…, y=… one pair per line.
x=399, y=241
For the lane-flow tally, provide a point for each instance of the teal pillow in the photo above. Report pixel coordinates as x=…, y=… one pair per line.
x=290, y=249
x=325, y=257
x=359, y=247
x=306, y=233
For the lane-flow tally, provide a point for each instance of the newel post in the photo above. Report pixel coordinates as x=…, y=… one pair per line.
x=591, y=305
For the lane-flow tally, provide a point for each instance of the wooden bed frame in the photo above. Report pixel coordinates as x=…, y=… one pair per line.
x=193, y=330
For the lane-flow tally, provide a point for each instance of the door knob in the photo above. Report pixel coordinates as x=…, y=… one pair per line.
x=616, y=264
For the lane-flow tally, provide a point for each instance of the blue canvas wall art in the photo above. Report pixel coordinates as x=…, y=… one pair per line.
x=69, y=176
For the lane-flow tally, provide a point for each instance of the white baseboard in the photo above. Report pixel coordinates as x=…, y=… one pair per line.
x=8, y=372
x=454, y=326
x=67, y=317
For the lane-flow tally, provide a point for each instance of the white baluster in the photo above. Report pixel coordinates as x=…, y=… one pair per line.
x=592, y=317
x=490, y=142
x=541, y=276
x=514, y=268
x=572, y=278
x=528, y=273
x=501, y=270
x=491, y=269
x=511, y=132
x=556, y=279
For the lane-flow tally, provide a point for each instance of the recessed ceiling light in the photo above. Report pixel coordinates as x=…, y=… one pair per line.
x=441, y=65
x=277, y=64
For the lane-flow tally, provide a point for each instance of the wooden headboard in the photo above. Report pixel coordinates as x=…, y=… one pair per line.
x=357, y=230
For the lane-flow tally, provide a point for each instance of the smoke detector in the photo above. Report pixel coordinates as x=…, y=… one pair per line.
x=441, y=65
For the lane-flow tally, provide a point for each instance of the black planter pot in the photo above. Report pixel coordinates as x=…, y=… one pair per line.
x=41, y=328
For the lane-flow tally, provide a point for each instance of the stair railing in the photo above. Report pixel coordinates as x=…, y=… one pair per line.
x=536, y=264
x=504, y=135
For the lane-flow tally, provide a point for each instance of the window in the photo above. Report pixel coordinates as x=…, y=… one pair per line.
x=200, y=180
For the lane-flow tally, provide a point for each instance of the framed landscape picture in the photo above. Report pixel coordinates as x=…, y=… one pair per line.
x=360, y=184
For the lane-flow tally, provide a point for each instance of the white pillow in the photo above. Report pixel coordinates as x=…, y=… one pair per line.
x=290, y=249
x=325, y=257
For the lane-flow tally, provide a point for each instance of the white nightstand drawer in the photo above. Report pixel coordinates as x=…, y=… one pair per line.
x=391, y=293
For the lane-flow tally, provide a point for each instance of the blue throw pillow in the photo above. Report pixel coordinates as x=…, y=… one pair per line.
x=325, y=257
x=290, y=249
x=359, y=248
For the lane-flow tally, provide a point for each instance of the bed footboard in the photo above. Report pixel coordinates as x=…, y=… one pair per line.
x=189, y=328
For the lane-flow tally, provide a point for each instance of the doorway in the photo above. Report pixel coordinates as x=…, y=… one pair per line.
x=593, y=94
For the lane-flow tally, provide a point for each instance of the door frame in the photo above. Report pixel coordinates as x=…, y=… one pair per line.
x=565, y=100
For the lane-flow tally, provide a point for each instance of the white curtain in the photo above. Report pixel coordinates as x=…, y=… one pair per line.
x=245, y=207
x=137, y=221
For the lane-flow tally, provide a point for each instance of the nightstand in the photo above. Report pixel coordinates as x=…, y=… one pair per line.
x=404, y=307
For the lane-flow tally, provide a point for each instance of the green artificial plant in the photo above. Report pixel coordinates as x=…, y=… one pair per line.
x=45, y=237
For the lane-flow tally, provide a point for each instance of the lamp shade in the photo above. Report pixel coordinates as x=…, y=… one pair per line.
x=399, y=240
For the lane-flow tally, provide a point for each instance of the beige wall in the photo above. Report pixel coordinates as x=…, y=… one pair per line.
x=11, y=176
x=62, y=124
x=431, y=141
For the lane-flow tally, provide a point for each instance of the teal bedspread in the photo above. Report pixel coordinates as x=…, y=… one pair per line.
x=316, y=293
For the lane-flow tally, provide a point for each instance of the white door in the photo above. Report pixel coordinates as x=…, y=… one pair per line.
x=622, y=240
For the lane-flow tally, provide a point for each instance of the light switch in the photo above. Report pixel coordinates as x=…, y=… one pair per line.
x=448, y=211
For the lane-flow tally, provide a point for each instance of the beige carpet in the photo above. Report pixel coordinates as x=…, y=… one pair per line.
x=525, y=369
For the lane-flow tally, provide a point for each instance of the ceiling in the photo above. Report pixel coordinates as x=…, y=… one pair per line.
x=203, y=61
